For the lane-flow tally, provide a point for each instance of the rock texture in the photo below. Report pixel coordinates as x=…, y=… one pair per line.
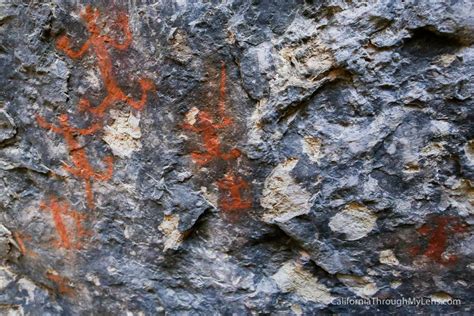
x=235, y=157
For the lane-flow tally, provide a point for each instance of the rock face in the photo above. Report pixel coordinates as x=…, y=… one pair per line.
x=235, y=157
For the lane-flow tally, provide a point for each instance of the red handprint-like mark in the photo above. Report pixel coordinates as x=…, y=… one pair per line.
x=82, y=167
x=438, y=230
x=209, y=130
x=100, y=43
x=58, y=210
x=231, y=193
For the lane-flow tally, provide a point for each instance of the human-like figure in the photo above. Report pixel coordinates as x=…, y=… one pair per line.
x=209, y=129
x=100, y=43
x=81, y=166
x=59, y=209
x=231, y=193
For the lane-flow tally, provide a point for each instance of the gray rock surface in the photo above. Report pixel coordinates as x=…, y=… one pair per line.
x=235, y=157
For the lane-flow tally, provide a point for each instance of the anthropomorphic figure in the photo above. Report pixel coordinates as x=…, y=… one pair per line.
x=100, y=43
x=81, y=166
x=209, y=129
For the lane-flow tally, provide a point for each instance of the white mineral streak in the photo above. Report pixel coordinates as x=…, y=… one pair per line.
x=27, y=286
x=282, y=197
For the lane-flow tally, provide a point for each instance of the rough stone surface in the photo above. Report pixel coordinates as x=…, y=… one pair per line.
x=235, y=157
x=354, y=221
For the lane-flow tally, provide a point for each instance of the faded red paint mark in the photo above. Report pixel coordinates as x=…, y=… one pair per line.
x=63, y=284
x=209, y=130
x=20, y=240
x=209, y=133
x=82, y=167
x=58, y=210
x=415, y=250
x=100, y=43
x=438, y=230
x=231, y=193
x=234, y=192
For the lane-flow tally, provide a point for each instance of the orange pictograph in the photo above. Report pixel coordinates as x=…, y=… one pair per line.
x=208, y=129
x=100, y=43
x=438, y=230
x=231, y=193
x=67, y=222
x=82, y=167
x=62, y=283
x=59, y=210
x=208, y=126
x=20, y=239
x=209, y=133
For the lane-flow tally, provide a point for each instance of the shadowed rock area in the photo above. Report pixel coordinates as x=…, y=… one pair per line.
x=236, y=157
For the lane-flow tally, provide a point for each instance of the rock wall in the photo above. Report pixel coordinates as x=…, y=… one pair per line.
x=235, y=157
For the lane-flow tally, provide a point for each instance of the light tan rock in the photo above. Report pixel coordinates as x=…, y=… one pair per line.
x=169, y=228
x=293, y=278
x=123, y=136
x=388, y=257
x=355, y=221
x=312, y=147
x=361, y=286
x=282, y=197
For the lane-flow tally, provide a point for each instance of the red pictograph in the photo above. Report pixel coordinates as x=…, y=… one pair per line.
x=60, y=209
x=20, y=239
x=438, y=230
x=100, y=43
x=62, y=283
x=82, y=167
x=233, y=190
x=231, y=197
x=208, y=129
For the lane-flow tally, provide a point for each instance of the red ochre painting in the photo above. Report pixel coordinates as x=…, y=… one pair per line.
x=69, y=223
x=437, y=232
x=99, y=44
x=210, y=127
x=232, y=190
x=20, y=240
x=68, y=237
x=63, y=284
x=82, y=167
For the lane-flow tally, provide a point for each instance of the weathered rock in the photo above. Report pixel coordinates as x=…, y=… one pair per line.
x=355, y=221
x=293, y=278
x=236, y=157
x=282, y=197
